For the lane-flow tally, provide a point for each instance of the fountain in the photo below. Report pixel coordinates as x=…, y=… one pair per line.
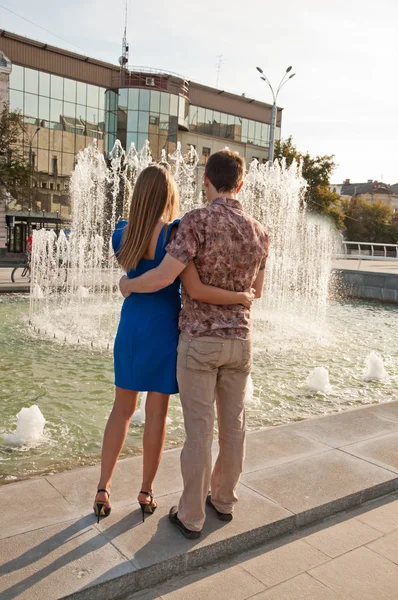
x=74, y=295
x=318, y=380
x=30, y=428
x=375, y=370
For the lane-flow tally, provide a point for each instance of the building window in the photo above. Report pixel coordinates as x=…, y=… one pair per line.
x=51, y=186
x=58, y=187
x=44, y=185
x=54, y=164
x=205, y=154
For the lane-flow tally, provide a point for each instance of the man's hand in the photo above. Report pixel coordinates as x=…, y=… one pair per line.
x=247, y=297
x=124, y=286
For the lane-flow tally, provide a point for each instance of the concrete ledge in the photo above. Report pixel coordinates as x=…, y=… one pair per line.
x=368, y=285
x=294, y=475
x=14, y=288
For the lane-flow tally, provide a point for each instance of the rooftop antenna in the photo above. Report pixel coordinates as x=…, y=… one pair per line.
x=124, y=59
x=219, y=65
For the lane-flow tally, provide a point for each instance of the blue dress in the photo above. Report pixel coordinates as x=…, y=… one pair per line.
x=145, y=350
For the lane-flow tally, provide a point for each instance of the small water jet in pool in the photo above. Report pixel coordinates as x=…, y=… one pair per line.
x=318, y=380
x=139, y=415
x=375, y=370
x=30, y=428
x=250, y=399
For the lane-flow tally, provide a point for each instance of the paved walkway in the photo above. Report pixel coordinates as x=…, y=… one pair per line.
x=6, y=285
x=350, y=557
x=295, y=476
x=372, y=266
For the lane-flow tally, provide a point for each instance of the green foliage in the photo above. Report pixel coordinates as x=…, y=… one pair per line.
x=369, y=221
x=14, y=168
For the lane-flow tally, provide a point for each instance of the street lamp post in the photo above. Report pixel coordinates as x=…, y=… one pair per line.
x=274, y=110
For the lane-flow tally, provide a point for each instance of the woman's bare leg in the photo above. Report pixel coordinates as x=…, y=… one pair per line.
x=114, y=436
x=154, y=436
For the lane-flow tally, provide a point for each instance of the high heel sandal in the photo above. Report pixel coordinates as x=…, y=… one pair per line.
x=147, y=507
x=100, y=509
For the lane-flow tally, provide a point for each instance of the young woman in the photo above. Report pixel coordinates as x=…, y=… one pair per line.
x=145, y=351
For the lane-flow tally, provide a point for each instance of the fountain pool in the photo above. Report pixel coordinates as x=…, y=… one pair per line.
x=73, y=387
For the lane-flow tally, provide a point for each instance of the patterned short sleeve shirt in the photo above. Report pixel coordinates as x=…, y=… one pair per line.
x=229, y=248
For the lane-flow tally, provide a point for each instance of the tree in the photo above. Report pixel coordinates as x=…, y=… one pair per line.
x=317, y=172
x=369, y=221
x=15, y=170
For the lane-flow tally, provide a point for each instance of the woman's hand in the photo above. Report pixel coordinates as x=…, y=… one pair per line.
x=123, y=286
x=247, y=297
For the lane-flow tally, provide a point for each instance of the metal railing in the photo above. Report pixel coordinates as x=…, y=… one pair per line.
x=368, y=251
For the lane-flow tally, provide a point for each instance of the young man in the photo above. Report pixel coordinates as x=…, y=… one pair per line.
x=214, y=356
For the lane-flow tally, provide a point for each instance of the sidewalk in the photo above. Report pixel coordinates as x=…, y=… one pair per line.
x=350, y=557
x=372, y=266
x=295, y=475
x=7, y=286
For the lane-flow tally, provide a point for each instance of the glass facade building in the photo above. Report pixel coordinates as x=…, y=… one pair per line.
x=134, y=115
x=230, y=127
x=68, y=100
x=61, y=117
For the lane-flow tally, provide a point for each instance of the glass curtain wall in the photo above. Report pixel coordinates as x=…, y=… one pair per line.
x=217, y=124
x=61, y=117
x=134, y=115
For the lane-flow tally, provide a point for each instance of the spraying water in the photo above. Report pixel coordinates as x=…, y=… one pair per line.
x=318, y=380
x=30, y=428
x=75, y=296
x=375, y=368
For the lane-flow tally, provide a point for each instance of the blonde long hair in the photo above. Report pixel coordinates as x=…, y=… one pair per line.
x=155, y=197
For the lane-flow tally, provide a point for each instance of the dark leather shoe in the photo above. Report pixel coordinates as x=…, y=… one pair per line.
x=190, y=535
x=220, y=515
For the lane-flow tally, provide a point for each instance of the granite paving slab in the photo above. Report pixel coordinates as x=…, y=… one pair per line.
x=80, y=490
x=382, y=451
x=360, y=575
x=336, y=536
x=346, y=428
x=29, y=505
x=270, y=447
x=54, y=561
x=302, y=587
x=387, y=546
x=321, y=485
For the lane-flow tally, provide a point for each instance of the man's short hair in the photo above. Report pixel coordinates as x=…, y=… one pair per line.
x=225, y=170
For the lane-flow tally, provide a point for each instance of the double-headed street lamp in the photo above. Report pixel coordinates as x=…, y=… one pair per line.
x=284, y=80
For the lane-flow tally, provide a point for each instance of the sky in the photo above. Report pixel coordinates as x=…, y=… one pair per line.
x=342, y=101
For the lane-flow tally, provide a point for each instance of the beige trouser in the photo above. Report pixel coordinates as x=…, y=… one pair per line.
x=209, y=369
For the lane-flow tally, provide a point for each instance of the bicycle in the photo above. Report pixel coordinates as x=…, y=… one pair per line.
x=21, y=274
